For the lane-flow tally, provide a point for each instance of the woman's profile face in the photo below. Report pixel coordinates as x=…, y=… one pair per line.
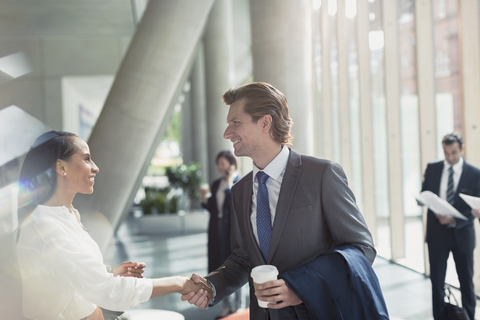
x=223, y=166
x=80, y=169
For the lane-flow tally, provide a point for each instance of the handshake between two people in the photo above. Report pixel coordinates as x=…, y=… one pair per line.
x=197, y=291
x=184, y=285
x=275, y=293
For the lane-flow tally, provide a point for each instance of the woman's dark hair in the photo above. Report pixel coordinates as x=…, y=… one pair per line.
x=38, y=177
x=227, y=155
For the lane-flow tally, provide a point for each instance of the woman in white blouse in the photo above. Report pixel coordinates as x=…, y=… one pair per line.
x=62, y=269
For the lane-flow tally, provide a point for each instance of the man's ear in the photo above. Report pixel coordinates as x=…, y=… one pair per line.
x=266, y=122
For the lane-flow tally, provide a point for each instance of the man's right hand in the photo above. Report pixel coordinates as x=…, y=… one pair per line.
x=200, y=299
x=476, y=213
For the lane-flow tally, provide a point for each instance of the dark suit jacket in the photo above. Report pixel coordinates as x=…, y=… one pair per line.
x=339, y=285
x=469, y=184
x=218, y=242
x=316, y=211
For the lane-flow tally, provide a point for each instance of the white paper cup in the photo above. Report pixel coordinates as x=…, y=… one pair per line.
x=261, y=274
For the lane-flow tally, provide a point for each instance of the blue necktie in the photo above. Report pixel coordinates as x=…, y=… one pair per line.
x=264, y=224
x=450, y=191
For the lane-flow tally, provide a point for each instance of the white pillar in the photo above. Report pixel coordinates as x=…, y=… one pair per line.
x=219, y=68
x=199, y=113
x=282, y=56
x=138, y=106
x=186, y=127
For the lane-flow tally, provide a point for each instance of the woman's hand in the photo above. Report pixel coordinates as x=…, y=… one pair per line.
x=190, y=286
x=129, y=269
x=204, y=191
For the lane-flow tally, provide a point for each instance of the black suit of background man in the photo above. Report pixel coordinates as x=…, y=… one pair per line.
x=452, y=234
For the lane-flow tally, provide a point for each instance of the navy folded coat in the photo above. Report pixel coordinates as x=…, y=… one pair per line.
x=340, y=284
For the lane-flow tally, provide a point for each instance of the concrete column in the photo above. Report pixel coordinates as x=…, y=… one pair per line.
x=186, y=131
x=220, y=75
x=282, y=56
x=139, y=107
x=199, y=113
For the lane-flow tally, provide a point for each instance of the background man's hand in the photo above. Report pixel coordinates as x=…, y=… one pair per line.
x=476, y=213
x=129, y=269
x=278, y=294
x=202, y=297
x=445, y=219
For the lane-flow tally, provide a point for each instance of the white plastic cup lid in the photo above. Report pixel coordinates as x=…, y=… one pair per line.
x=264, y=273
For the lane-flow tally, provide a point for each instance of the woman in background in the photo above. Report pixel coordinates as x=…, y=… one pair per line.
x=61, y=266
x=218, y=202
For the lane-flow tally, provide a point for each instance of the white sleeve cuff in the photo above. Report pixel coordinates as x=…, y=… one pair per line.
x=144, y=294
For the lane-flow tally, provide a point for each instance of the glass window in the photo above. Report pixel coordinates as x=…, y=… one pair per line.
x=354, y=102
x=447, y=69
x=410, y=132
x=332, y=12
x=379, y=128
x=448, y=95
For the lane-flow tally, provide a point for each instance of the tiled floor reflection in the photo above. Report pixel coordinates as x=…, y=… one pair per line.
x=407, y=292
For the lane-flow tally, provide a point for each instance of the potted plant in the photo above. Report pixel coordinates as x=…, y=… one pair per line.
x=189, y=179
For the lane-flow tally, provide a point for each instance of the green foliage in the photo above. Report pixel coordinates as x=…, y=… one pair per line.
x=155, y=170
x=158, y=200
x=188, y=178
x=172, y=132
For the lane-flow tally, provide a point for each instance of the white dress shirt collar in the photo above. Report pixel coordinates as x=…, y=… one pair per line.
x=457, y=167
x=275, y=168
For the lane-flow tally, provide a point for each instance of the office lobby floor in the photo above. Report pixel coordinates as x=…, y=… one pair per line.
x=407, y=293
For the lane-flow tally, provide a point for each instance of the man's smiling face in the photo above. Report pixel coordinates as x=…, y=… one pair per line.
x=242, y=131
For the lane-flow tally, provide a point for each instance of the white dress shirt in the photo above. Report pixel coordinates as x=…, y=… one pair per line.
x=275, y=171
x=457, y=172
x=62, y=270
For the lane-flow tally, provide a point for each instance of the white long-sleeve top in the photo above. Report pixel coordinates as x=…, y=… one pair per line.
x=62, y=270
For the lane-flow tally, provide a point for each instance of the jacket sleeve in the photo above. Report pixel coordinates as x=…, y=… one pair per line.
x=234, y=272
x=346, y=223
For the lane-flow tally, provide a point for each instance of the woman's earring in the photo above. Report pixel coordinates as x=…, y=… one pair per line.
x=64, y=173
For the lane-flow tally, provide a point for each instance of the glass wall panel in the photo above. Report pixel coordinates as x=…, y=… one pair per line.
x=448, y=95
x=410, y=131
x=332, y=13
x=447, y=69
x=317, y=64
x=354, y=102
x=379, y=127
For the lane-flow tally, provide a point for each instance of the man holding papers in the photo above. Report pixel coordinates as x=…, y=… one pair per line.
x=445, y=233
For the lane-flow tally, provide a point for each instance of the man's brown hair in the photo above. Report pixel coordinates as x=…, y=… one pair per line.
x=261, y=99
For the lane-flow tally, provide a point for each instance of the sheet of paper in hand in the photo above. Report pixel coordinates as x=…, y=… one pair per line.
x=438, y=205
x=473, y=202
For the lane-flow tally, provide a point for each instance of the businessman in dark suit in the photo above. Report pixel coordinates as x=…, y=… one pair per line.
x=308, y=208
x=447, y=179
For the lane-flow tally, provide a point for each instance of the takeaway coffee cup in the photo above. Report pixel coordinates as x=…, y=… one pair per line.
x=263, y=274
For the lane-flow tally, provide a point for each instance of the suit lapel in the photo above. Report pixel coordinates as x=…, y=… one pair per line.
x=287, y=191
x=437, y=178
x=463, y=178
